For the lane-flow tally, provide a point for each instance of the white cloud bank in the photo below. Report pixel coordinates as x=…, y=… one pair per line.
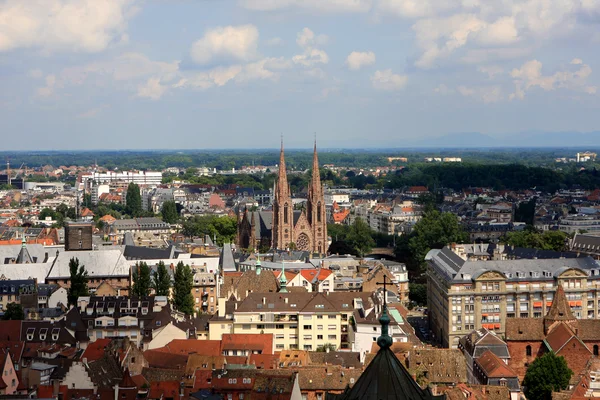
x=387, y=80
x=356, y=60
x=239, y=43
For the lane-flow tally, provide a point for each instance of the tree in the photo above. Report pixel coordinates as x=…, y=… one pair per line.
x=533, y=239
x=182, y=290
x=133, y=200
x=14, y=312
x=161, y=281
x=169, y=212
x=417, y=292
x=141, y=280
x=359, y=237
x=79, y=281
x=434, y=231
x=548, y=373
x=326, y=348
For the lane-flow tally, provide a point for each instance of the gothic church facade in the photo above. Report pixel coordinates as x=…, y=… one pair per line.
x=285, y=228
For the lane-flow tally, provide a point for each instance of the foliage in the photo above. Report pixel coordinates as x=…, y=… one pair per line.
x=526, y=211
x=359, y=237
x=434, y=231
x=223, y=227
x=14, y=312
x=161, y=281
x=341, y=247
x=6, y=186
x=133, y=200
x=141, y=280
x=59, y=215
x=417, y=292
x=548, y=373
x=326, y=347
x=79, y=281
x=182, y=289
x=532, y=239
x=169, y=212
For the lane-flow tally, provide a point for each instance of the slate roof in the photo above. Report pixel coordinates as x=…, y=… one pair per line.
x=148, y=253
x=479, y=341
x=226, y=260
x=456, y=269
x=302, y=302
x=98, y=263
x=385, y=378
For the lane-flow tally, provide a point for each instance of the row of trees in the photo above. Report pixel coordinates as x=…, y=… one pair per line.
x=356, y=239
x=143, y=282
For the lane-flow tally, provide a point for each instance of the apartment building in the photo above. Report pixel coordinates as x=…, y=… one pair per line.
x=299, y=320
x=578, y=223
x=477, y=286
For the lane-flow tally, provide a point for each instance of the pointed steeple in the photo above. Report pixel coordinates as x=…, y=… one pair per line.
x=316, y=174
x=282, y=279
x=282, y=183
x=24, y=257
x=560, y=311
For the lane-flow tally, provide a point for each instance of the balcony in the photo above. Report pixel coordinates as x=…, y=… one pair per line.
x=286, y=318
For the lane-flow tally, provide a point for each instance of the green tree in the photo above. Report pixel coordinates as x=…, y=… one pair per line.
x=533, y=239
x=182, y=289
x=417, y=292
x=224, y=228
x=434, y=231
x=133, y=200
x=141, y=280
x=360, y=237
x=548, y=373
x=14, y=312
x=326, y=347
x=161, y=281
x=79, y=281
x=169, y=212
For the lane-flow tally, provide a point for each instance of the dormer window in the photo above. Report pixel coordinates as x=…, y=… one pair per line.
x=30, y=332
x=43, y=333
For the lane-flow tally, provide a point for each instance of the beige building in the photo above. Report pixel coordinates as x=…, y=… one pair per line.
x=479, y=286
x=303, y=321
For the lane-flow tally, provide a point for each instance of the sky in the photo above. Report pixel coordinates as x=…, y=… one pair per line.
x=204, y=74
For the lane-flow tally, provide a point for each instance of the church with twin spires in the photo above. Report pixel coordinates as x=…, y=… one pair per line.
x=284, y=227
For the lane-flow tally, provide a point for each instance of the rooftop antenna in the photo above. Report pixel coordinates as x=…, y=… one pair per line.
x=8, y=178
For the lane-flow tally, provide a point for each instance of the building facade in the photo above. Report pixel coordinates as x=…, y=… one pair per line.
x=480, y=286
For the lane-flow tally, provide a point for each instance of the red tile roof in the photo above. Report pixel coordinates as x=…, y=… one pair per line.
x=10, y=330
x=162, y=359
x=256, y=342
x=185, y=346
x=95, y=350
x=494, y=367
x=165, y=389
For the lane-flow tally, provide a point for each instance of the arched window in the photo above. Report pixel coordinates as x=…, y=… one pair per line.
x=319, y=212
x=528, y=350
x=595, y=349
x=285, y=213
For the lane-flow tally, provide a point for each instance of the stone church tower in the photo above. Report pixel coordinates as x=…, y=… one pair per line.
x=306, y=229
x=283, y=209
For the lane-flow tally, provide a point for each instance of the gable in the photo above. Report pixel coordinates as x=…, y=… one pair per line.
x=491, y=275
x=573, y=273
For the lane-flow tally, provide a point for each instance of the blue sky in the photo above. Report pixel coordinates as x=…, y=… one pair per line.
x=160, y=74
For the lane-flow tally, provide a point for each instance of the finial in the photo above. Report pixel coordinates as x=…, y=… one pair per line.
x=385, y=340
x=258, y=265
x=282, y=279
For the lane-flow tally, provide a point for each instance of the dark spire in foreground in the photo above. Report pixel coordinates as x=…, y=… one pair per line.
x=385, y=377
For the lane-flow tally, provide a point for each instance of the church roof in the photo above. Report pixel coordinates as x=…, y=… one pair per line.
x=226, y=261
x=385, y=379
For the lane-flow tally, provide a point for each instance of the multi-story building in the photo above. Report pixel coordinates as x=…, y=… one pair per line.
x=572, y=224
x=11, y=291
x=205, y=290
x=299, y=320
x=150, y=178
x=475, y=286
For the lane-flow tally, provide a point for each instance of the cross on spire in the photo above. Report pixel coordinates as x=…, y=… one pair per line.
x=384, y=283
x=385, y=340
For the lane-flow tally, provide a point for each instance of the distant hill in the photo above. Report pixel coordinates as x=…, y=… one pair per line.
x=524, y=139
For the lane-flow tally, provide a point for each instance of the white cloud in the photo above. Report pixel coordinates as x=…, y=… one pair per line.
x=36, y=73
x=356, y=60
x=227, y=42
x=63, y=25
x=311, y=55
x=307, y=38
x=387, y=80
x=48, y=90
x=276, y=41
x=152, y=89
x=530, y=76
x=356, y=6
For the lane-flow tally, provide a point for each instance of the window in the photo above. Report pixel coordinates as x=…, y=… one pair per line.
x=331, y=327
x=319, y=327
x=285, y=213
x=319, y=337
x=528, y=350
x=595, y=349
x=331, y=316
x=307, y=327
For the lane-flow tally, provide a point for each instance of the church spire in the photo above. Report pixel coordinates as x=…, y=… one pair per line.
x=283, y=279
x=282, y=184
x=316, y=175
